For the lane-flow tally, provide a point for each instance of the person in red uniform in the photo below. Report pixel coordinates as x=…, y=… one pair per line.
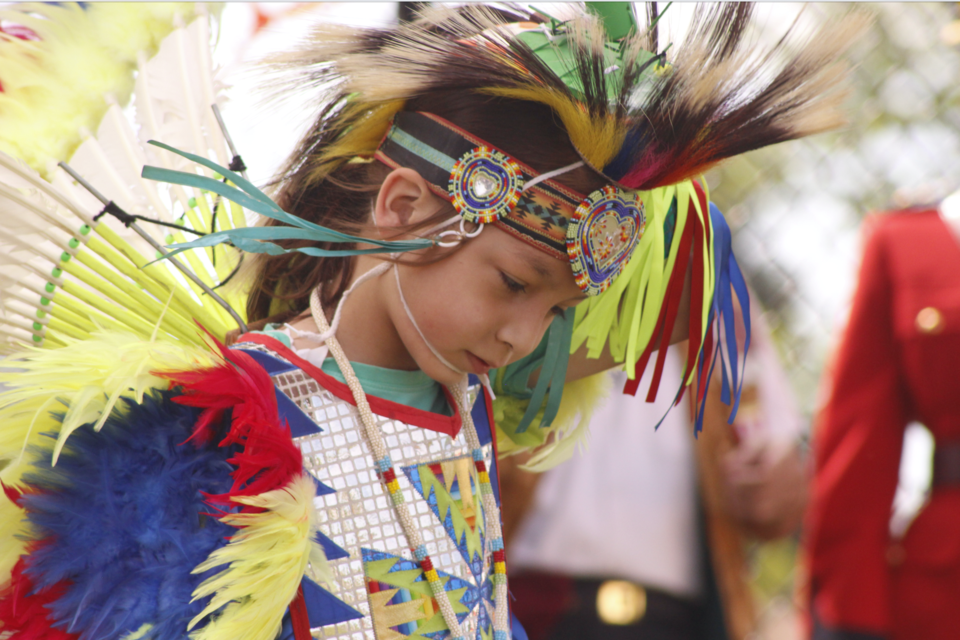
x=898, y=362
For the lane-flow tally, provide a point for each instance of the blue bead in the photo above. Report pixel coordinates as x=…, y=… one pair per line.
x=384, y=464
x=478, y=455
x=420, y=552
x=497, y=544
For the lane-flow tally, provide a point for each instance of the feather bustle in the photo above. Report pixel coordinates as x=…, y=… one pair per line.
x=260, y=472
x=24, y=612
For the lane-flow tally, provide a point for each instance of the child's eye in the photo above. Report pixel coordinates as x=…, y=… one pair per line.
x=512, y=284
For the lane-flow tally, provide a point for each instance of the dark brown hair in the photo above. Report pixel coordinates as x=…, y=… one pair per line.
x=343, y=200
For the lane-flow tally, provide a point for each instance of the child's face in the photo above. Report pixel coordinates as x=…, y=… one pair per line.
x=485, y=306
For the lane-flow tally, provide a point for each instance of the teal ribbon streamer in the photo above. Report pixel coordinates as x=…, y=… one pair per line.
x=257, y=239
x=551, y=356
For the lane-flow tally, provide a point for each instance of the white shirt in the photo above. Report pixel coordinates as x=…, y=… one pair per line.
x=627, y=506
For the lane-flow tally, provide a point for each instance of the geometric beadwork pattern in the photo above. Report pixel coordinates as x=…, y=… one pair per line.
x=451, y=489
x=359, y=515
x=485, y=185
x=602, y=235
x=402, y=602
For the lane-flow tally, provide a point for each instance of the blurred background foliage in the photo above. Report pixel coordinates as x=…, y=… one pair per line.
x=796, y=210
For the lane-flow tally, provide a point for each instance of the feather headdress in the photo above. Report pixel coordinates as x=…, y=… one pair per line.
x=641, y=122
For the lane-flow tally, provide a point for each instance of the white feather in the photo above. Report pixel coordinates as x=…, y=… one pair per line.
x=112, y=163
x=174, y=93
x=18, y=175
x=29, y=212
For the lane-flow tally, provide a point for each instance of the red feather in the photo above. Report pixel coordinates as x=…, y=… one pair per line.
x=268, y=459
x=23, y=611
x=668, y=315
x=12, y=493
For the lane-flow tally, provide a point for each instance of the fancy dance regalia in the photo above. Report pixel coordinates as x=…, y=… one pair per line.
x=438, y=464
x=159, y=485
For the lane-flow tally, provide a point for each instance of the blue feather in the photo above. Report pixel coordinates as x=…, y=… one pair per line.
x=122, y=518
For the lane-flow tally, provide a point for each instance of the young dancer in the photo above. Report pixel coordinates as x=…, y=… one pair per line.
x=478, y=199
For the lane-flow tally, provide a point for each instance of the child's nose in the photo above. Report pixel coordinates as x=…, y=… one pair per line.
x=522, y=333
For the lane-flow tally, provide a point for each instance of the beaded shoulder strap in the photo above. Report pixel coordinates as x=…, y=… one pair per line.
x=501, y=618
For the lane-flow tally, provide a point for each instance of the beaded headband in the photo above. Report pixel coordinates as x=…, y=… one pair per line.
x=596, y=233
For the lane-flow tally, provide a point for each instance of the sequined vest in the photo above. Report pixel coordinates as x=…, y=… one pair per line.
x=380, y=591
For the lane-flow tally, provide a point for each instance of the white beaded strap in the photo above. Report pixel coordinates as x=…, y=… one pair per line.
x=501, y=617
x=388, y=475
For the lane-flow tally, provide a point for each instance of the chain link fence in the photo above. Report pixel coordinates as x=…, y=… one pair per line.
x=796, y=209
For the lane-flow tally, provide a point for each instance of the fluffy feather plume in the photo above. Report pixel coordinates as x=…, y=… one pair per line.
x=265, y=561
x=89, y=378
x=267, y=558
x=23, y=608
x=130, y=562
x=268, y=458
x=722, y=98
x=57, y=83
x=446, y=48
x=717, y=99
x=126, y=558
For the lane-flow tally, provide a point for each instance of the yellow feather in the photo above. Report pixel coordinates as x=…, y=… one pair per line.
x=597, y=139
x=13, y=534
x=57, y=86
x=139, y=633
x=87, y=377
x=265, y=562
x=362, y=139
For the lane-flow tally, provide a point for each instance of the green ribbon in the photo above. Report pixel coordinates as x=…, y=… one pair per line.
x=551, y=357
x=257, y=239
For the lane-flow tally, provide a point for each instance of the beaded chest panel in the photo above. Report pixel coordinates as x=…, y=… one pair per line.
x=380, y=589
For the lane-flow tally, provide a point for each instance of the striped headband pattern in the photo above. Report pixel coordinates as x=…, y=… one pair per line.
x=596, y=234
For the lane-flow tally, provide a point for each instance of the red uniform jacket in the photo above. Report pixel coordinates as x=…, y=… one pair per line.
x=899, y=361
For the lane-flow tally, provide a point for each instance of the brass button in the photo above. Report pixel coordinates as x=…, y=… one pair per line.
x=930, y=320
x=620, y=602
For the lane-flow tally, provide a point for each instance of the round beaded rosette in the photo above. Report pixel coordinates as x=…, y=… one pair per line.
x=485, y=185
x=602, y=235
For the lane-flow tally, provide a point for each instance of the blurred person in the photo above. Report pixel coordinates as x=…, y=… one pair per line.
x=896, y=363
x=643, y=535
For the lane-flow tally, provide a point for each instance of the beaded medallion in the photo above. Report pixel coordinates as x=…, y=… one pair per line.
x=601, y=237
x=485, y=185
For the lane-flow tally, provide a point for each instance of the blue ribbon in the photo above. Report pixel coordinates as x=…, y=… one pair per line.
x=730, y=283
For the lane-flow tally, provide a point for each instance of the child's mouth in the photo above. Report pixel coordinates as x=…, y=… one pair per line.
x=478, y=365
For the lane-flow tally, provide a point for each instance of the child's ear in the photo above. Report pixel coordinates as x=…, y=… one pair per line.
x=404, y=198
